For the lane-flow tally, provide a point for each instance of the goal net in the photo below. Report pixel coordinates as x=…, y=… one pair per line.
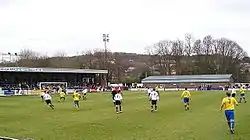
x=55, y=86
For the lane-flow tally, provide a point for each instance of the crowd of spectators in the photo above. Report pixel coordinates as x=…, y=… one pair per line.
x=25, y=86
x=11, y=86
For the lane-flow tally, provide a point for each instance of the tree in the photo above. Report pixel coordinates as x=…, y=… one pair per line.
x=178, y=53
x=197, y=57
x=208, y=52
x=27, y=58
x=188, y=45
x=161, y=56
x=128, y=79
x=60, y=54
x=187, y=64
x=230, y=58
x=145, y=74
x=206, y=56
x=201, y=56
x=28, y=54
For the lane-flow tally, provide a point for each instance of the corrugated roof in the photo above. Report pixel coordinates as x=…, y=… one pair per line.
x=189, y=79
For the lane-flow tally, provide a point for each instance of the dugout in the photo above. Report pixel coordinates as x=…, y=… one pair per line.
x=32, y=76
x=189, y=81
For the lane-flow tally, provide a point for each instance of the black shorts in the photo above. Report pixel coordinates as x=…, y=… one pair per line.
x=48, y=102
x=242, y=95
x=117, y=102
x=62, y=98
x=41, y=96
x=153, y=102
x=76, y=102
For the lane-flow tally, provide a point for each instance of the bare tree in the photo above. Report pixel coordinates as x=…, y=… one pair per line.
x=60, y=54
x=208, y=45
x=188, y=45
x=187, y=64
x=206, y=56
x=28, y=54
x=208, y=48
x=162, y=57
x=88, y=59
x=27, y=58
x=230, y=57
x=178, y=53
x=197, y=49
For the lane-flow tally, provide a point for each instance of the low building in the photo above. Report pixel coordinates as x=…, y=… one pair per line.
x=174, y=81
x=32, y=76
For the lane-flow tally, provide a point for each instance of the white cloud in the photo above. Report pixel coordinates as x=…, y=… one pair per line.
x=75, y=25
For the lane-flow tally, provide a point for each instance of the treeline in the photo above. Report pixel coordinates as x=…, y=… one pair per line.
x=167, y=57
x=200, y=56
x=123, y=67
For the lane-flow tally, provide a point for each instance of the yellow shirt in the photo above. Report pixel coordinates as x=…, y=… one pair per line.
x=242, y=90
x=186, y=94
x=62, y=94
x=229, y=103
x=156, y=88
x=76, y=96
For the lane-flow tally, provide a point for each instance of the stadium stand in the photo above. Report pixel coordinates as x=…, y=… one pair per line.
x=191, y=81
x=14, y=79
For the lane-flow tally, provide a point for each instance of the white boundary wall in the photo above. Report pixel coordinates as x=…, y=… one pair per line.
x=70, y=91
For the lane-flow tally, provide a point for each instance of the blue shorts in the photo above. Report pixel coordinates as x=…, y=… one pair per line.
x=229, y=114
x=242, y=95
x=186, y=100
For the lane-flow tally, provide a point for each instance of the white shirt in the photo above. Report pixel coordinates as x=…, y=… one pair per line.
x=46, y=96
x=118, y=97
x=42, y=94
x=85, y=90
x=149, y=91
x=234, y=90
x=154, y=95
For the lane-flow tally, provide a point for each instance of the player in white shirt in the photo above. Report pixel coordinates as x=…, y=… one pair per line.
x=154, y=97
x=48, y=100
x=118, y=102
x=113, y=93
x=42, y=94
x=149, y=91
x=234, y=91
x=85, y=91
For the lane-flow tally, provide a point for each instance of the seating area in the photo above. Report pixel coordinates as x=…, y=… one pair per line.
x=208, y=82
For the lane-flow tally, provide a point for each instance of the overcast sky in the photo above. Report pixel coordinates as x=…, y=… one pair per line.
x=72, y=26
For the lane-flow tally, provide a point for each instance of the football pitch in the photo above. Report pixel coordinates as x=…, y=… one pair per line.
x=29, y=117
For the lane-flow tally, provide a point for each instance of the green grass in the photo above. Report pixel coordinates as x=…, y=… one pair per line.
x=27, y=116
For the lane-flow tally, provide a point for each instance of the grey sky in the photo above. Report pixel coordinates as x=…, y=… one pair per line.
x=72, y=26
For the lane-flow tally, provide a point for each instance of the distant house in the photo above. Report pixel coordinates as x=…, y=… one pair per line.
x=130, y=69
x=189, y=80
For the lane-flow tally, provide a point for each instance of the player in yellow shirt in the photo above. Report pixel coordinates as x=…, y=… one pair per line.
x=228, y=104
x=242, y=94
x=62, y=96
x=186, y=96
x=76, y=98
x=157, y=89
